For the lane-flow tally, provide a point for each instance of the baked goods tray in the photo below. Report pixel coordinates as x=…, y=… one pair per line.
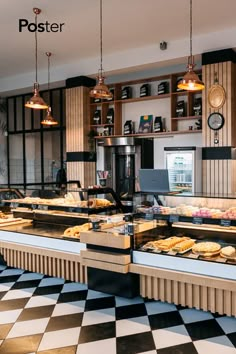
x=157, y=250
x=14, y=221
x=52, y=217
x=69, y=238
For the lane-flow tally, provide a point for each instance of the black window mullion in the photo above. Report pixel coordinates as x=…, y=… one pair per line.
x=42, y=153
x=15, y=115
x=61, y=128
x=8, y=147
x=24, y=146
x=32, y=119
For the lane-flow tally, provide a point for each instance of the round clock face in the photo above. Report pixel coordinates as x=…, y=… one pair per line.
x=215, y=121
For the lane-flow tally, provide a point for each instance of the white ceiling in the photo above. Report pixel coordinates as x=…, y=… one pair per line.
x=132, y=31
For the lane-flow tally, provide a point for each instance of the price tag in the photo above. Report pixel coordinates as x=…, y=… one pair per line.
x=225, y=222
x=14, y=205
x=43, y=207
x=149, y=216
x=197, y=220
x=174, y=218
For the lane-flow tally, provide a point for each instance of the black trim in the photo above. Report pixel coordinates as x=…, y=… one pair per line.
x=219, y=56
x=80, y=81
x=38, y=130
x=31, y=94
x=108, y=249
x=125, y=285
x=8, y=147
x=219, y=153
x=14, y=110
x=81, y=156
x=180, y=148
x=24, y=143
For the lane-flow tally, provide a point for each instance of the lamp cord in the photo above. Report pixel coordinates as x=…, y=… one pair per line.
x=191, y=28
x=101, y=34
x=36, y=50
x=49, y=80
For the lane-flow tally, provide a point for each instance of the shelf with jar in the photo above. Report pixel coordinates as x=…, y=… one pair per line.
x=186, y=107
x=161, y=88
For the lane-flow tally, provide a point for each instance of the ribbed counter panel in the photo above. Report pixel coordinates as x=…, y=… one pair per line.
x=50, y=262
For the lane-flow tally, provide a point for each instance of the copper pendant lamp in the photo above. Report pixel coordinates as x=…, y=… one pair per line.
x=49, y=120
x=36, y=101
x=191, y=81
x=101, y=90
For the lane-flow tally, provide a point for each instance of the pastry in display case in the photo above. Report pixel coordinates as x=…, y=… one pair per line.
x=75, y=231
x=66, y=216
x=202, y=228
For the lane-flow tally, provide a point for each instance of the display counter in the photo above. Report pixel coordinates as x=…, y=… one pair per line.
x=134, y=254
x=202, y=275
x=44, y=233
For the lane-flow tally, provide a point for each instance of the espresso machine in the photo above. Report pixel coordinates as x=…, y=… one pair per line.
x=123, y=157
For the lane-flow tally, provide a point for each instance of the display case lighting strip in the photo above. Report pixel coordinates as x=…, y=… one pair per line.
x=204, y=227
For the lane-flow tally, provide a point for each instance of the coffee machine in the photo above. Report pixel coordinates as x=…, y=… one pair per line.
x=123, y=157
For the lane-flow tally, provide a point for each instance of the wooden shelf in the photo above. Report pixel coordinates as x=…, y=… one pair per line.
x=187, y=118
x=146, y=98
x=172, y=98
x=101, y=125
x=179, y=93
x=152, y=135
x=101, y=103
x=185, y=93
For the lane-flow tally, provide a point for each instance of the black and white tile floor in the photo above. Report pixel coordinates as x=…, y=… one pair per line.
x=40, y=314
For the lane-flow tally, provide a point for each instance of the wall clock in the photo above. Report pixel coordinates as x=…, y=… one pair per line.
x=215, y=121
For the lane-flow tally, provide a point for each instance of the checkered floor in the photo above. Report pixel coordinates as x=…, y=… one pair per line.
x=40, y=314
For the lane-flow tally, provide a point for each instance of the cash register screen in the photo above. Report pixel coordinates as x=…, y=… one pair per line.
x=154, y=180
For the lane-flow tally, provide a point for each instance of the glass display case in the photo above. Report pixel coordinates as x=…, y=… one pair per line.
x=199, y=227
x=59, y=216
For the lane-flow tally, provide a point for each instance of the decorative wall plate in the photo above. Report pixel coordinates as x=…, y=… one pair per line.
x=216, y=96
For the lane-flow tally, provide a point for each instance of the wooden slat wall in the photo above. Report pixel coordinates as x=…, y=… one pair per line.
x=219, y=175
x=54, y=263
x=200, y=292
x=77, y=129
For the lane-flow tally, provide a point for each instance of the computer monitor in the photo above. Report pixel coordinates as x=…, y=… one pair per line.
x=151, y=180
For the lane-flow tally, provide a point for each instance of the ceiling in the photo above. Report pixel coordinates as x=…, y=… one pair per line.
x=128, y=26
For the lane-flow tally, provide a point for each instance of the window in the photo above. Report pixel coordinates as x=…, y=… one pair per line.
x=35, y=152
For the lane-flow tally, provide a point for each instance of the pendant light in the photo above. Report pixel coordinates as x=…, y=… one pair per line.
x=36, y=100
x=101, y=90
x=191, y=81
x=49, y=120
